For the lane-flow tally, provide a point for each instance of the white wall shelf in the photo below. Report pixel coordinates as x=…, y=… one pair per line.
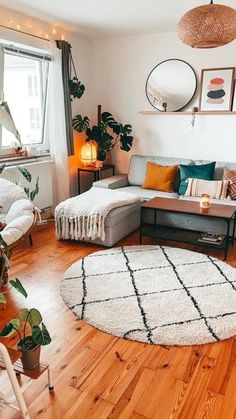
x=188, y=113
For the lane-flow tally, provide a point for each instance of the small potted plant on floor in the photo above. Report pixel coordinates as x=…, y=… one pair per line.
x=32, y=332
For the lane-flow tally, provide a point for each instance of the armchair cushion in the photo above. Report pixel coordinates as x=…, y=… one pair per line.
x=9, y=193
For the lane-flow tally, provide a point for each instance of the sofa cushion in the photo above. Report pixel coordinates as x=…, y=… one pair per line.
x=113, y=182
x=159, y=178
x=137, y=168
x=148, y=193
x=214, y=188
x=230, y=175
x=201, y=171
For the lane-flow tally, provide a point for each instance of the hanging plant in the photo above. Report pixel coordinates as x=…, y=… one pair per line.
x=77, y=88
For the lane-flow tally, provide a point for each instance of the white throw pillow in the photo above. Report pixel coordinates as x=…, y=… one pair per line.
x=214, y=188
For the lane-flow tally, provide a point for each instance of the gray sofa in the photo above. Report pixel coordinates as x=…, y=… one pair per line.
x=122, y=221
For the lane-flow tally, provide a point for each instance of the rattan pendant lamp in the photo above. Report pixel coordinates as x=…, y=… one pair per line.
x=208, y=26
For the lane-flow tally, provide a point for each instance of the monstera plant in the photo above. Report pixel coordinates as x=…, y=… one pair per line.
x=106, y=134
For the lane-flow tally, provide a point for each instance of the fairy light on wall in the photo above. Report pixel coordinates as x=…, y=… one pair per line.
x=30, y=28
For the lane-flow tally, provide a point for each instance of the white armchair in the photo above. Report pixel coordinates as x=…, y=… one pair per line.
x=18, y=212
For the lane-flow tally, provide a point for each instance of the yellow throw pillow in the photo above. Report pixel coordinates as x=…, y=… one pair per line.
x=159, y=178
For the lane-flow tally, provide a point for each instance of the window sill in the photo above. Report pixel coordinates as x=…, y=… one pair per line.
x=13, y=159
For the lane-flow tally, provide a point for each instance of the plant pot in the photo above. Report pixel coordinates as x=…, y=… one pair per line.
x=30, y=357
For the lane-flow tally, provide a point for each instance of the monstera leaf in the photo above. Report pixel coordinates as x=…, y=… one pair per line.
x=126, y=140
x=80, y=124
x=109, y=121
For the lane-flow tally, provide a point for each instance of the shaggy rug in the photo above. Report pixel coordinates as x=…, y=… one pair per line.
x=154, y=294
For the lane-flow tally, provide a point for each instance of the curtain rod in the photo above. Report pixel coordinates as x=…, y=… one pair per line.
x=25, y=33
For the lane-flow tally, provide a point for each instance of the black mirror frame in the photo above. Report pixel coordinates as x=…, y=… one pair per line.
x=172, y=59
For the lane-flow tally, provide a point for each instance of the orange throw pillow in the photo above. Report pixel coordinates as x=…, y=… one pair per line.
x=159, y=178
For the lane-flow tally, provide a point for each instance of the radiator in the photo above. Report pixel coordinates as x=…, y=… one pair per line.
x=43, y=169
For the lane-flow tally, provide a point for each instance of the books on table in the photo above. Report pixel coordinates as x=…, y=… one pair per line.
x=212, y=238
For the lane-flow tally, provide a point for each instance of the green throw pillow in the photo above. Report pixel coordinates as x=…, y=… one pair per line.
x=199, y=171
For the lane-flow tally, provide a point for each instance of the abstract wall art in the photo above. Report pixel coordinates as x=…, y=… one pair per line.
x=216, y=89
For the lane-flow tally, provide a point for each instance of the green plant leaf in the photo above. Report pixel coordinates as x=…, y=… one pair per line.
x=76, y=88
x=35, y=317
x=23, y=314
x=41, y=336
x=2, y=167
x=10, y=328
x=27, y=191
x=101, y=155
x=80, y=123
x=3, y=243
x=35, y=191
x=25, y=173
x=15, y=283
x=2, y=299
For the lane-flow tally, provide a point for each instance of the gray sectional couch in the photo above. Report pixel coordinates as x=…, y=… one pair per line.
x=122, y=221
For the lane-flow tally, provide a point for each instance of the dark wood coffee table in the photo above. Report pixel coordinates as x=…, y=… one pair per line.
x=227, y=213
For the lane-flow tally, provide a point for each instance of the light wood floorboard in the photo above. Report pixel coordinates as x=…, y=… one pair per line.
x=100, y=376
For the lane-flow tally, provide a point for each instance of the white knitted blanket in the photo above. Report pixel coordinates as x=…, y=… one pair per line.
x=83, y=217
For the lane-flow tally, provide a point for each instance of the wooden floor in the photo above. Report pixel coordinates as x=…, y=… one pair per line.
x=100, y=376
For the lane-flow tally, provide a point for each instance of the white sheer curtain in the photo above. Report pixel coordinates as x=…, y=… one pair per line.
x=55, y=127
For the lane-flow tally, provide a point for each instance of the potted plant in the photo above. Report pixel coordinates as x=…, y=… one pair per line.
x=76, y=88
x=28, y=324
x=32, y=332
x=106, y=134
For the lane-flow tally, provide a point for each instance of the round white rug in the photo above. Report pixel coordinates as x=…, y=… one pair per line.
x=154, y=294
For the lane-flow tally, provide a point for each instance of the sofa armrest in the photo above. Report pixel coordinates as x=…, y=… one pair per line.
x=113, y=182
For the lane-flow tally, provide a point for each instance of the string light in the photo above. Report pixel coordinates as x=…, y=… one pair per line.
x=11, y=23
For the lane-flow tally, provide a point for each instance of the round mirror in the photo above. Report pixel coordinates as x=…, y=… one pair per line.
x=171, y=85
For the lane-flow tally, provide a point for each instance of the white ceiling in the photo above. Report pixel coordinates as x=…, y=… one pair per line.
x=110, y=17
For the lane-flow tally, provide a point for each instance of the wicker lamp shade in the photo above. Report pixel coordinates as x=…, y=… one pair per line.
x=208, y=26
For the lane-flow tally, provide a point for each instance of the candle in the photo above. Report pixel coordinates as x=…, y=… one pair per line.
x=205, y=201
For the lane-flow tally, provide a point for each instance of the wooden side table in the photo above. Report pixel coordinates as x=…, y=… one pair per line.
x=95, y=171
x=18, y=368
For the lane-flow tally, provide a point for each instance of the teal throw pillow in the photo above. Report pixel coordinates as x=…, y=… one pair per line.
x=199, y=171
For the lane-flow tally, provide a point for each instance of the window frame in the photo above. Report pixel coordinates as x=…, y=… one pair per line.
x=39, y=56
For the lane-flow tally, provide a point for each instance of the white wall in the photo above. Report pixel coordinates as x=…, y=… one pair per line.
x=120, y=69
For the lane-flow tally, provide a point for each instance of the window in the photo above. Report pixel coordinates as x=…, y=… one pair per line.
x=34, y=118
x=33, y=85
x=24, y=83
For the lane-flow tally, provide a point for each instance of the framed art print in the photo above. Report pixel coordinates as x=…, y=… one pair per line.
x=216, y=89
x=234, y=98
